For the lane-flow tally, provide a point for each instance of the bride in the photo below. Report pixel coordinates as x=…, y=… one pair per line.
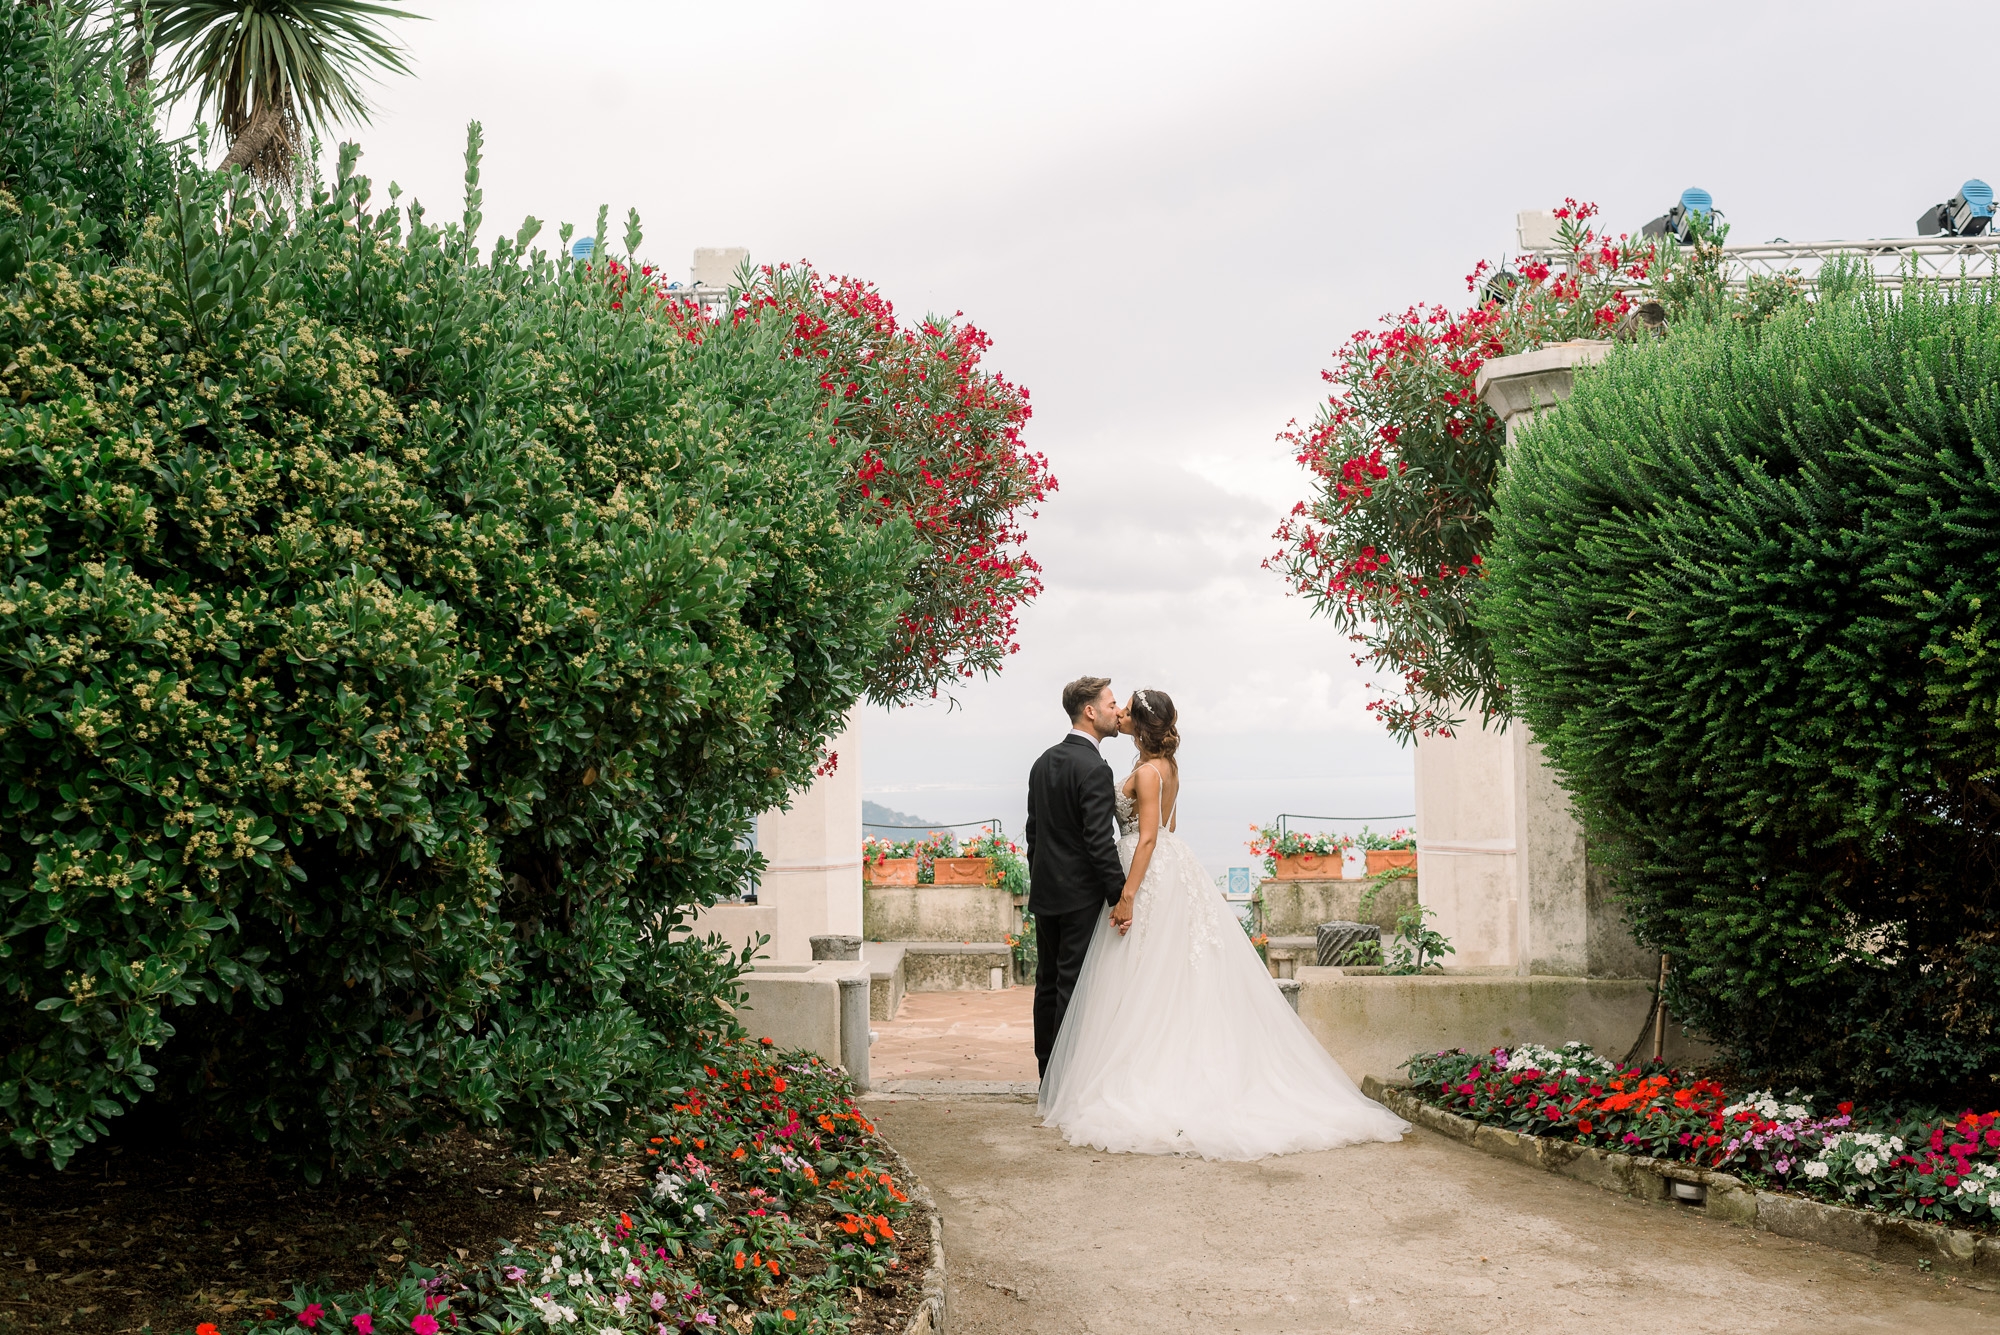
x=1176, y=1040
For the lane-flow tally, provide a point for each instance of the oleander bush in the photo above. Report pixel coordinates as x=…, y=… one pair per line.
x=1738, y=586
x=395, y=641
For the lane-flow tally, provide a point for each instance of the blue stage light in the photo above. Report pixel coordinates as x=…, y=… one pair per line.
x=1968, y=213
x=1678, y=221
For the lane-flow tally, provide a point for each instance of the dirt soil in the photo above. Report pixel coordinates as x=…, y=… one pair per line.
x=1427, y=1235
x=123, y=1240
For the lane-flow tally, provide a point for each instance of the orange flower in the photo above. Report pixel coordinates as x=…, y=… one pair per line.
x=772, y=1266
x=778, y=1083
x=206, y=1328
x=739, y=1260
x=737, y=1153
x=790, y=1315
x=1584, y=1127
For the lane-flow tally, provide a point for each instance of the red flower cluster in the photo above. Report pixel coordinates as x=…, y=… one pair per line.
x=1405, y=457
x=938, y=444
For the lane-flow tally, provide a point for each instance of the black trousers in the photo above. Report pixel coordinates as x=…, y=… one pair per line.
x=1061, y=941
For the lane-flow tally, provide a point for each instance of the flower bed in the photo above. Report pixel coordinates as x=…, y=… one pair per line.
x=1921, y=1165
x=770, y=1208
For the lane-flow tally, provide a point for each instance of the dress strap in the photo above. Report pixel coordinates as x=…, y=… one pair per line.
x=1165, y=816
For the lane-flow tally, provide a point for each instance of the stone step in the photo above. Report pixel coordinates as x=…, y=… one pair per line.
x=955, y=966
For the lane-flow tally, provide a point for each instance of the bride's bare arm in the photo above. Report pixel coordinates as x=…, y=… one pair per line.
x=1147, y=800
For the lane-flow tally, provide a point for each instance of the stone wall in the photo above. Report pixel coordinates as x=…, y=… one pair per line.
x=1371, y=1024
x=937, y=913
x=1297, y=908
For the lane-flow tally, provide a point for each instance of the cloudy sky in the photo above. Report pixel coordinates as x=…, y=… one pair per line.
x=1167, y=216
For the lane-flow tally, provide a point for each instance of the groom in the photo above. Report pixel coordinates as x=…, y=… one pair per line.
x=1073, y=869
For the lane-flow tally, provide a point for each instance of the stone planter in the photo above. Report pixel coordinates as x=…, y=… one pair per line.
x=962, y=871
x=890, y=871
x=1386, y=859
x=1310, y=867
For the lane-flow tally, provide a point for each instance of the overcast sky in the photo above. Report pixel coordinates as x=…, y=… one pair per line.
x=1168, y=216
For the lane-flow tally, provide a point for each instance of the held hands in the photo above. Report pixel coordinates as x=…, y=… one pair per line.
x=1121, y=914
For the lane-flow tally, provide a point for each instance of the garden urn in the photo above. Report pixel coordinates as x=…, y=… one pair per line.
x=961, y=871
x=1310, y=867
x=1384, y=859
x=890, y=871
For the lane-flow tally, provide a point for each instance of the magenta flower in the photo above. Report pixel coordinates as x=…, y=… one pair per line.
x=309, y=1316
x=424, y=1324
x=364, y=1324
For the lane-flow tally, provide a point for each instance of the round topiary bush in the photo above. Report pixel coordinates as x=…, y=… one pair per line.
x=1740, y=583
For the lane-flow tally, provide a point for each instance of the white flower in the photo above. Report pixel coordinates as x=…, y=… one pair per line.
x=1993, y=1200
x=575, y=1278
x=604, y=1246
x=1866, y=1164
x=1816, y=1168
x=609, y=1330
x=1895, y=1144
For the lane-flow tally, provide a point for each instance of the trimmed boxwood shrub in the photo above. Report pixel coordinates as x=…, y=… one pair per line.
x=1740, y=581
x=395, y=642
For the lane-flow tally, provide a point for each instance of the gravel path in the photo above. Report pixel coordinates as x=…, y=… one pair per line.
x=1427, y=1235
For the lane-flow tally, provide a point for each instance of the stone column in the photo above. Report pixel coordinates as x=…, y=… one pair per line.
x=813, y=851
x=1500, y=855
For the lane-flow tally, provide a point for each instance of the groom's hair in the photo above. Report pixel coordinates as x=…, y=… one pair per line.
x=1081, y=692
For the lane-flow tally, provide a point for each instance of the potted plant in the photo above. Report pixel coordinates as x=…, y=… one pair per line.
x=1293, y=856
x=889, y=861
x=1387, y=851
x=1008, y=869
x=961, y=871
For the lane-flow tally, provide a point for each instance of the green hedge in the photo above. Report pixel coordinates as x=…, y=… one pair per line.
x=395, y=643
x=1740, y=580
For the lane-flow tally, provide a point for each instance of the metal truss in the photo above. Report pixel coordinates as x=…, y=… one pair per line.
x=1893, y=261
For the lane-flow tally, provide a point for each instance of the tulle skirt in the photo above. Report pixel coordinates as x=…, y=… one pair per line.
x=1177, y=1041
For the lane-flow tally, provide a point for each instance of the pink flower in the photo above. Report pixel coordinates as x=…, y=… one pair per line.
x=424, y=1324
x=364, y=1324
x=309, y=1316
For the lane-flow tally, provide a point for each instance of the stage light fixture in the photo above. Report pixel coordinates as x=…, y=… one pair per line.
x=1967, y=213
x=1678, y=221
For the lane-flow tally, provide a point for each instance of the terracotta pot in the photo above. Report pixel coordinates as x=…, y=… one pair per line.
x=1382, y=859
x=1310, y=867
x=890, y=871
x=961, y=871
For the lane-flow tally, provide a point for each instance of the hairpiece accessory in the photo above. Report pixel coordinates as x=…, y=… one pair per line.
x=1146, y=703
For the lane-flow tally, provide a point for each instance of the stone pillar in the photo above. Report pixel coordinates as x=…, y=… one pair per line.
x=812, y=849
x=1500, y=855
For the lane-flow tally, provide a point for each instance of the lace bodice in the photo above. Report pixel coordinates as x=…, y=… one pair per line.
x=1128, y=814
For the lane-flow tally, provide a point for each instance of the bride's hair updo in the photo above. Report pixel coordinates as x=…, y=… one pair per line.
x=1153, y=720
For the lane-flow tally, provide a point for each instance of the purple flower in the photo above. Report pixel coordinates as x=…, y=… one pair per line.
x=659, y=1301
x=364, y=1324
x=424, y=1324
x=515, y=1274
x=309, y=1316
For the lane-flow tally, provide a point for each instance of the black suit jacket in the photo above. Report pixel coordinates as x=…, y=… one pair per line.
x=1072, y=852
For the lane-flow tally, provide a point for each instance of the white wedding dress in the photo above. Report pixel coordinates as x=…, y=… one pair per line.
x=1177, y=1040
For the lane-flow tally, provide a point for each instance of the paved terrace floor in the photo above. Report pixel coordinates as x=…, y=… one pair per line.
x=1427, y=1235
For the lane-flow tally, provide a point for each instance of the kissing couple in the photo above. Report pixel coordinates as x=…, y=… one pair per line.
x=1157, y=1028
